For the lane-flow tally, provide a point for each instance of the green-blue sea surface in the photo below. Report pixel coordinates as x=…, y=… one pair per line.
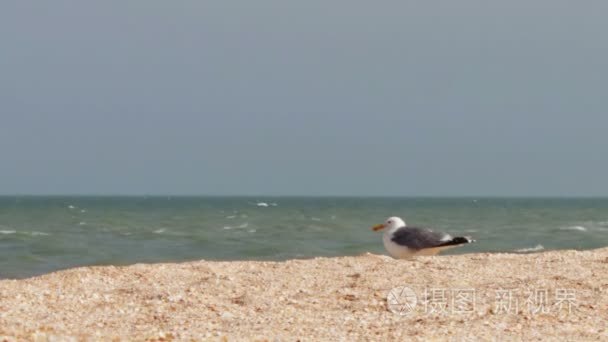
x=43, y=234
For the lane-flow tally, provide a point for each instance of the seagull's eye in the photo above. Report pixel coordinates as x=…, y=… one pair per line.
x=389, y=222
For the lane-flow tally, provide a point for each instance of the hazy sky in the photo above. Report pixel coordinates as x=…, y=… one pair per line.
x=304, y=97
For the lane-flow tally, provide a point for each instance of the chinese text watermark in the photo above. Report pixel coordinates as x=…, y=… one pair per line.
x=404, y=300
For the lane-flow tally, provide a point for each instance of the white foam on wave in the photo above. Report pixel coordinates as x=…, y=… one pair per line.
x=273, y=204
x=160, y=231
x=315, y=219
x=536, y=248
x=244, y=225
x=39, y=234
x=577, y=228
x=71, y=207
x=262, y=204
x=252, y=230
x=8, y=231
x=230, y=217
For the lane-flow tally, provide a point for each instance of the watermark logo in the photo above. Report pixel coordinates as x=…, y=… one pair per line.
x=401, y=300
x=444, y=301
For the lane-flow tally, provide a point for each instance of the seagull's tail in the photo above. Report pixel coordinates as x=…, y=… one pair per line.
x=460, y=240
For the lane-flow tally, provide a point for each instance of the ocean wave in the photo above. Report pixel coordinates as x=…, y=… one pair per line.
x=266, y=204
x=577, y=228
x=160, y=231
x=244, y=225
x=11, y=231
x=536, y=248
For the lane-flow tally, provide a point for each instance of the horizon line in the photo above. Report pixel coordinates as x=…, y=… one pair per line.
x=304, y=196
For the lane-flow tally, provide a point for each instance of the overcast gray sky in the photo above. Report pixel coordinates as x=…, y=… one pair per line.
x=304, y=98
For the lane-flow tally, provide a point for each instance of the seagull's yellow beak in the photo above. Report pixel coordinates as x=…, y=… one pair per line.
x=378, y=227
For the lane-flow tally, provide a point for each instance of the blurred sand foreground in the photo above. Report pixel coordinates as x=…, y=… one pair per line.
x=559, y=295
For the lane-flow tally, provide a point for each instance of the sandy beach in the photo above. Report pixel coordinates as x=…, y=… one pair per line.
x=545, y=296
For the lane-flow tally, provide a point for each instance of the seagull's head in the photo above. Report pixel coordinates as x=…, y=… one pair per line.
x=391, y=223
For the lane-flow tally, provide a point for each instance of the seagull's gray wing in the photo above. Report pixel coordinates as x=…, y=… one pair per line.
x=419, y=238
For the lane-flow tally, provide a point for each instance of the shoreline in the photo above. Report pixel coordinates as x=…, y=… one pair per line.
x=547, y=295
x=538, y=248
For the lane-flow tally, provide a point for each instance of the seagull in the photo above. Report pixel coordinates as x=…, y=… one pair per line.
x=403, y=242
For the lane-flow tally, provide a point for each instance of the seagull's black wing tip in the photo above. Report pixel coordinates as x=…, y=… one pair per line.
x=459, y=240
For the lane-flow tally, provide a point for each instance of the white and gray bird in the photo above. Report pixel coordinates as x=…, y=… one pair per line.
x=403, y=242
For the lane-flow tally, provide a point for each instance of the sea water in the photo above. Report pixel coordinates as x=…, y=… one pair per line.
x=44, y=234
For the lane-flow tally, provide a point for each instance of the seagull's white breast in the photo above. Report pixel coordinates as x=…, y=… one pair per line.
x=395, y=250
